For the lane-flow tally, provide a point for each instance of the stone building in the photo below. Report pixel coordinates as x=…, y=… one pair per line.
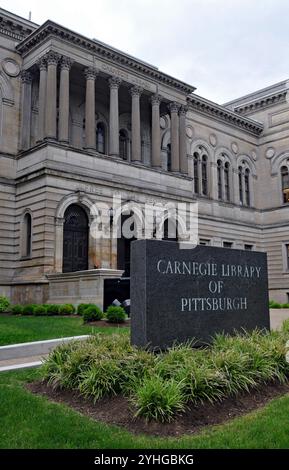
x=80, y=120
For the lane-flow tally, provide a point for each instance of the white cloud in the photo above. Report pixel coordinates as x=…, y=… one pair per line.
x=226, y=48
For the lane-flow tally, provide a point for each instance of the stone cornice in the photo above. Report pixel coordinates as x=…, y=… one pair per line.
x=51, y=29
x=12, y=27
x=197, y=103
x=261, y=103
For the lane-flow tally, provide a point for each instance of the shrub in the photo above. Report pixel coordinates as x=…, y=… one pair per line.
x=66, y=309
x=285, y=305
x=52, y=309
x=273, y=304
x=28, y=309
x=161, y=385
x=39, y=310
x=4, y=303
x=115, y=314
x=92, y=313
x=159, y=399
x=82, y=307
x=17, y=309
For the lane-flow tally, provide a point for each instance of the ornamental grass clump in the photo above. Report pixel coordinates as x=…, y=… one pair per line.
x=161, y=385
x=159, y=399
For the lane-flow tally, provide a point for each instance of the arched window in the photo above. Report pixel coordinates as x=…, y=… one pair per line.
x=26, y=245
x=227, y=181
x=223, y=178
x=100, y=138
x=219, y=174
x=196, y=173
x=204, y=176
x=200, y=170
x=285, y=183
x=169, y=157
x=244, y=176
x=240, y=184
x=247, y=187
x=123, y=144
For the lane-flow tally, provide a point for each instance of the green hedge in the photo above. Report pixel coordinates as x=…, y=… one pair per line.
x=4, y=303
x=161, y=386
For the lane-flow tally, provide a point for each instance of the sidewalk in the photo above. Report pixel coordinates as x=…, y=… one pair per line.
x=24, y=355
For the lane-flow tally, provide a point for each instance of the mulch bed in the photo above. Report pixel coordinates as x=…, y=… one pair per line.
x=118, y=410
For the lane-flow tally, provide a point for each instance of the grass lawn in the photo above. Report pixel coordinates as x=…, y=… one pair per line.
x=29, y=421
x=14, y=329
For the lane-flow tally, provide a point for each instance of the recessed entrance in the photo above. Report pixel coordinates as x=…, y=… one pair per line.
x=75, y=239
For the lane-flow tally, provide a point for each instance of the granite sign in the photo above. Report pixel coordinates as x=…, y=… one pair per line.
x=180, y=294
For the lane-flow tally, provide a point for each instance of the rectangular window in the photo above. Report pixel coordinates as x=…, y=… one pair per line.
x=227, y=244
x=287, y=256
x=248, y=247
x=204, y=241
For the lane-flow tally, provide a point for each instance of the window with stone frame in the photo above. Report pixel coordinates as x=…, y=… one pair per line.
x=285, y=183
x=123, y=144
x=223, y=178
x=169, y=158
x=200, y=169
x=26, y=236
x=100, y=138
x=244, y=176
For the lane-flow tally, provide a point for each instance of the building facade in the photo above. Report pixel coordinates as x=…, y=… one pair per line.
x=80, y=121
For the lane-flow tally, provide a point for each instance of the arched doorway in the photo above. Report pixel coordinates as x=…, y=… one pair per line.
x=123, y=243
x=75, y=239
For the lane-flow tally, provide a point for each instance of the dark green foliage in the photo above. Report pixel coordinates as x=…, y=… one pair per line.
x=115, y=314
x=66, y=309
x=82, y=307
x=17, y=309
x=4, y=303
x=92, y=313
x=28, y=309
x=39, y=310
x=52, y=309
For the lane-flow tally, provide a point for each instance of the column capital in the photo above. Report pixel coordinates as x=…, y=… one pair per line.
x=174, y=107
x=65, y=63
x=52, y=58
x=90, y=73
x=156, y=99
x=42, y=63
x=183, y=110
x=114, y=82
x=26, y=76
x=136, y=91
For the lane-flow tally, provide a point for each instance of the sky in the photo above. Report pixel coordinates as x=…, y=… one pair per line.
x=225, y=48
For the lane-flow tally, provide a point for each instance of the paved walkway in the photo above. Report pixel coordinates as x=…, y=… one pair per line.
x=30, y=354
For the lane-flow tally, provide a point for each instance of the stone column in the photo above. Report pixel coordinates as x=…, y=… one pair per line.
x=135, y=124
x=63, y=124
x=42, y=64
x=90, y=132
x=51, y=95
x=183, y=141
x=174, y=109
x=114, y=83
x=156, y=136
x=26, y=79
